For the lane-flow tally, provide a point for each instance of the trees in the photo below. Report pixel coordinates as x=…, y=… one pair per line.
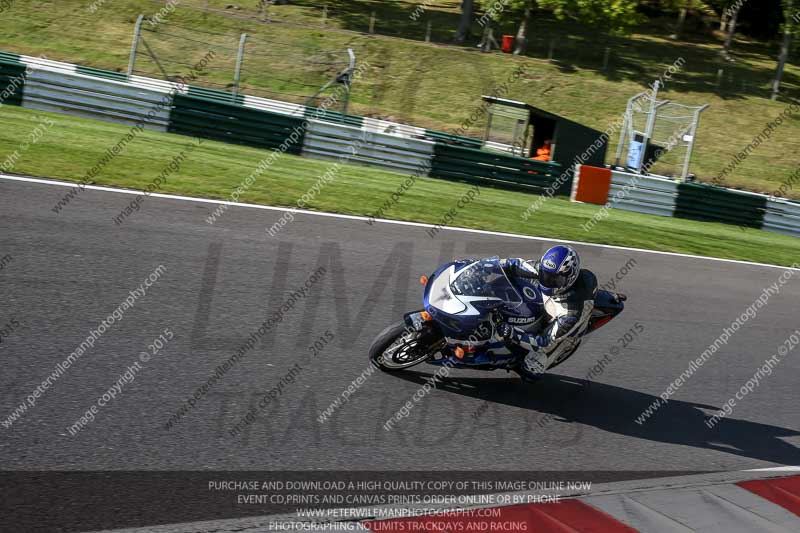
x=732, y=15
x=759, y=20
x=788, y=30
x=608, y=16
x=681, y=20
x=521, y=40
x=507, y=10
x=682, y=7
x=467, y=8
x=612, y=16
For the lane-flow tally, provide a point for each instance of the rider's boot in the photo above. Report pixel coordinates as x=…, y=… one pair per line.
x=531, y=368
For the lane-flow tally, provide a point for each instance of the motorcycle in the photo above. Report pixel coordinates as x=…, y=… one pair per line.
x=463, y=301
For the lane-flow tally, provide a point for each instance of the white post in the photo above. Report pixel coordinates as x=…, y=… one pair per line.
x=348, y=81
x=428, y=33
x=626, y=124
x=135, y=44
x=622, y=133
x=239, y=60
x=690, y=148
x=372, y=23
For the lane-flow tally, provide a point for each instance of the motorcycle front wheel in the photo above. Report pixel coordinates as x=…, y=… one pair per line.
x=397, y=348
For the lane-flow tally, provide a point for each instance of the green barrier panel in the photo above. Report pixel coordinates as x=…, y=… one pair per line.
x=328, y=115
x=453, y=139
x=482, y=167
x=12, y=81
x=11, y=57
x=100, y=73
x=226, y=122
x=215, y=95
x=707, y=203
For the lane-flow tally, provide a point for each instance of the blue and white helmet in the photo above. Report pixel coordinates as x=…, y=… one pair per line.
x=559, y=269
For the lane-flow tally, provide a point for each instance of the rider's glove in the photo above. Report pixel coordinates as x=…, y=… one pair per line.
x=505, y=330
x=511, y=334
x=519, y=268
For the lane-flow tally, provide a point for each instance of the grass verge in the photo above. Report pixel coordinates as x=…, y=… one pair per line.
x=71, y=145
x=433, y=85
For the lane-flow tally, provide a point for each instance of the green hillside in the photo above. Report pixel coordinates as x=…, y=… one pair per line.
x=433, y=84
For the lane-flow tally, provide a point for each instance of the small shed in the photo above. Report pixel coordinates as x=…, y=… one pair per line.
x=522, y=129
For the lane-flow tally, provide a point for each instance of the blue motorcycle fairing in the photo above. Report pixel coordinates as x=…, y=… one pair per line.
x=484, y=288
x=451, y=323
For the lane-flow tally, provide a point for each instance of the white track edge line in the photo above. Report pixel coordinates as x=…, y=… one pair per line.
x=775, y=469
x=385, y=221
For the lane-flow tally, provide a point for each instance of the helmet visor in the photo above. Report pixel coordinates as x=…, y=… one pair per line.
x=552, y=280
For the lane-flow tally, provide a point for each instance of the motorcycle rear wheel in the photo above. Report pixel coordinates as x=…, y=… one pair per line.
x=396, y=348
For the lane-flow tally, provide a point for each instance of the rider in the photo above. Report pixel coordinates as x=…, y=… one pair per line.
x=568, y=293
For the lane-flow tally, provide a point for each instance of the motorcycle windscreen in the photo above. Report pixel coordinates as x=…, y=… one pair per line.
x=485, y=279
x=440, y=296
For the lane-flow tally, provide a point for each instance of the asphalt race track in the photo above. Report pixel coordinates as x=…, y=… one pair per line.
x=69, y=271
